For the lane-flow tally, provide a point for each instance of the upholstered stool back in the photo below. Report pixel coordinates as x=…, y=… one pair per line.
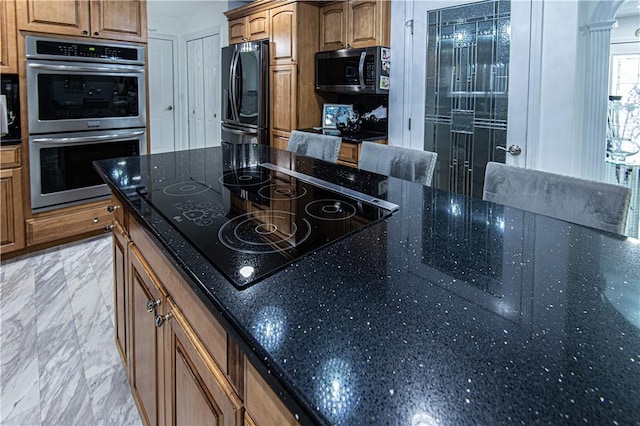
x=594, y=204
x=323, y=147
x=402, y=163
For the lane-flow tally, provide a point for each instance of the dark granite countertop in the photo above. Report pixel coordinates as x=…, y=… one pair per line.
x=451, y=311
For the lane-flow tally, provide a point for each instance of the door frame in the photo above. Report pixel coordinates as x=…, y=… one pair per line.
x=185, y=39
x=177, y=106
x=406, y=104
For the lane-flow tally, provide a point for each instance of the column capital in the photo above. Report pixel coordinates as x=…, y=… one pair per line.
x=600, y=26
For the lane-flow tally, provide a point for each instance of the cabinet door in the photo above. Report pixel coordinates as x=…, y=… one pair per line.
x=237, y=30
x=146, y=340
x=69, y=17
x=284, y=35
x=197, y=391
x=258, y=26
x=283, y=98
x=119, y=19
x=121, y=291
x=333, y=27
x=368, y=22
x=8, y=47
x=11, y=216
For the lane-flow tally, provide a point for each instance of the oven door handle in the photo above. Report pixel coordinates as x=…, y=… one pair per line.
x=86, y=69
x=90, y=139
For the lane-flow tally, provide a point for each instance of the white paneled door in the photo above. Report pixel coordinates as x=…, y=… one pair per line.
x=203, y=87
x=161, y=95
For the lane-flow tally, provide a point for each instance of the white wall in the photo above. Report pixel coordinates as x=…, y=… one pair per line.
x=200, y=17
x=625, y=32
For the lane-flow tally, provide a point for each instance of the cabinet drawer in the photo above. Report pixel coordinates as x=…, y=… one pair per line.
x=10, y=156
x=68, y=223
x=349, y=152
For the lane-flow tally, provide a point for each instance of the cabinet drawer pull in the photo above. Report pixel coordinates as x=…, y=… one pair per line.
x=151, y=305
x=108, y=228
x=162, y=319
x=111, y=208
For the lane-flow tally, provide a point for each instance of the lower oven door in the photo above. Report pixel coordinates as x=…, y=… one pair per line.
x=61, y=168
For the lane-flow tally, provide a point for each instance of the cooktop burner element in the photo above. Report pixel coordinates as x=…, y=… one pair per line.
x=182, y=189
x=254, y=221
x=330, y=210
x=263, y=232
x=245, y=177
x=281, y=192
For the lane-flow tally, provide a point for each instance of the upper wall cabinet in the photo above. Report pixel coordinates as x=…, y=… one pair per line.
x=109, y=19
x=355, y=23
x=249, y=28
x=8, y=48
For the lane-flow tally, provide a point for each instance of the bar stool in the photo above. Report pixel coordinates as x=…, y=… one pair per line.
x=595, y=204
x=402, y=163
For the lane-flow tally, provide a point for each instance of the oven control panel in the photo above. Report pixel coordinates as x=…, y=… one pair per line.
x=46, y=48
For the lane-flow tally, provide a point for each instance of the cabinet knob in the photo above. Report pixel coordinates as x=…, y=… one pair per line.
x=96, y=33
x=160, y=319
x=151, y=305
x=96, y=220
x=111, y=208
x=108, y=228
x=85, y=32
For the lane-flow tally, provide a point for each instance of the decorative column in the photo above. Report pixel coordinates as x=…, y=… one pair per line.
x=596, y=97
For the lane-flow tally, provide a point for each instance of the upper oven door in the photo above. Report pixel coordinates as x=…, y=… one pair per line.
x=75, y=96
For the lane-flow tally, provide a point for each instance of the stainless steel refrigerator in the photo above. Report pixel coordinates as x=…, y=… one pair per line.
x=245, y=92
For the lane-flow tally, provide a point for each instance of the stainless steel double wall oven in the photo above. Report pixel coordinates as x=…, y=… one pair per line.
x=86, y=101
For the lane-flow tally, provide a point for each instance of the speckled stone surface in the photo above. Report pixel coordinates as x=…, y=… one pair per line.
x=452, y=311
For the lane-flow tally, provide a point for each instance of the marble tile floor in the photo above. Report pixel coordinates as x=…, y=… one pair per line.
x=58, y=360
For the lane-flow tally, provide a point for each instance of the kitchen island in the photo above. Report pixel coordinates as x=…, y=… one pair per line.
x=443, y=310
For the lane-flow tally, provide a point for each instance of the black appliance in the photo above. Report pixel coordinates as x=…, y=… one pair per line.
x=245, y=92
x=10, y=109
x=354, y=71
x=252, y=221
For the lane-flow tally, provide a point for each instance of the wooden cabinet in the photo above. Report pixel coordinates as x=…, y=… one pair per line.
x=68, y=223
x=109, y=19
x=333, y=26
x=262, y=404
x=146, y=357
x=8, y=46
x=183, y=367
x=283, y=98
x=121, y=292
x=196, y=389
x=293, y=100
x=349, y=154
x=11, y=211
x=284, y=34
x=355, y=23
x=249, y=28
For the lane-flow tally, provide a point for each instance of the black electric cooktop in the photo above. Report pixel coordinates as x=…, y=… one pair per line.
x=257, y=220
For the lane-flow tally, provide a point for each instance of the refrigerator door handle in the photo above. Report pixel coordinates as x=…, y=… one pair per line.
x=234, y=85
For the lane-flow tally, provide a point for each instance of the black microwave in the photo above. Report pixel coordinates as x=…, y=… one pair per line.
x=364, y=70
